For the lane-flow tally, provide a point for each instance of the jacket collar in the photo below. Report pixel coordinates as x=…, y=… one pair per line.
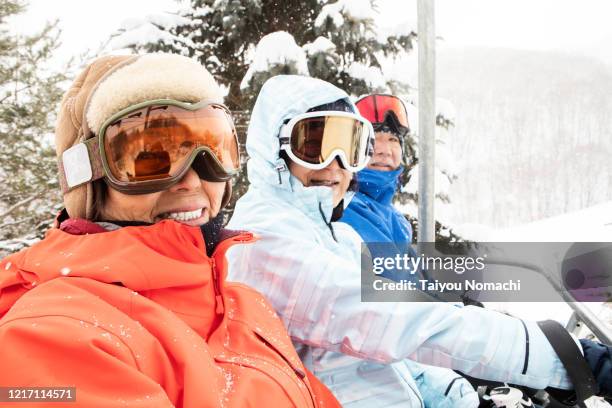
x=379, y=185
x=143, y=259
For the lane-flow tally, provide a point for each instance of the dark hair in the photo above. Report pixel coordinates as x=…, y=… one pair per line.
x=99, y=198
x=341, y=105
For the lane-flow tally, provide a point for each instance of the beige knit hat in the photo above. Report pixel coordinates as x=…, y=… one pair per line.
x=112, y=83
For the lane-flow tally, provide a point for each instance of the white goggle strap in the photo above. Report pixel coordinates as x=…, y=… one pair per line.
x=369, y=152
x=80, y=164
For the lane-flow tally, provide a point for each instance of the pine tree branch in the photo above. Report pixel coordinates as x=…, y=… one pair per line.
x=17, y=222
x=18, y=205
x=15, y=94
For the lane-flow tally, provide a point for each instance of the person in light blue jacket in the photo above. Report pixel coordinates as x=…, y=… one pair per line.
x=304, y=262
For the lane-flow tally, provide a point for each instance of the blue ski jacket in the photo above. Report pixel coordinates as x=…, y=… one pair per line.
x=373, y=216
x=599, y=357
x=371, y=212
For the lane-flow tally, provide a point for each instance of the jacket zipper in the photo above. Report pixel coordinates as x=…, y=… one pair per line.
x=329, y=224
x=219, y=308
x=301, y=374
x=297, y=371
x=266, y=371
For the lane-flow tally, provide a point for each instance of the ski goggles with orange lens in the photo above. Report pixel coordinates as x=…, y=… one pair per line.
x=150, y=146
x=377, y=108
x=315, y=139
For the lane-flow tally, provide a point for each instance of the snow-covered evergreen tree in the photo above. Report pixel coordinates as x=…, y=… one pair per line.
x=245, y=42
x=223, y=34
x=29, y=96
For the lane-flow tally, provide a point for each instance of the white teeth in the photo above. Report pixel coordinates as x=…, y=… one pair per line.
x=185, y=215
x=326, y=183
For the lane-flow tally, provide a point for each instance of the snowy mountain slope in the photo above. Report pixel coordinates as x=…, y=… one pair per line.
x=533, y=133
x=593, y=224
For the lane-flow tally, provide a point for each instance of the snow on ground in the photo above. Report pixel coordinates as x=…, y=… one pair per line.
x=592, y=224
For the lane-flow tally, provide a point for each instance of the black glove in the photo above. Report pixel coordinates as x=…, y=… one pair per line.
x=599, y=357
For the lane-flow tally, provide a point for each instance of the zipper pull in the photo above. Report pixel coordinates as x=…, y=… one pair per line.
x=218, y=298
x=279, y=168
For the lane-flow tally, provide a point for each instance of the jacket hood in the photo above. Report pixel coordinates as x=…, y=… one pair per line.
x=379, y=185
x=281, y=98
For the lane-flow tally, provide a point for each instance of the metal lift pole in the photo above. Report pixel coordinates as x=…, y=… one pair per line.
x=427, y=119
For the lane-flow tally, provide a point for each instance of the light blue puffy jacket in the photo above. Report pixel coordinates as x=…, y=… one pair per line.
x=360, y=350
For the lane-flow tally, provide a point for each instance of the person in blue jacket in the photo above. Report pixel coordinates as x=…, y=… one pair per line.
x=371, y=212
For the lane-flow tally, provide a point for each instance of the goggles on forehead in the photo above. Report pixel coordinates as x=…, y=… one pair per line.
x=315, y=139
x=150, y=146
x=378, y=109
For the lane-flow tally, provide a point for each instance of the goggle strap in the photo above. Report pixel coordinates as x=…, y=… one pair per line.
x=80, y=164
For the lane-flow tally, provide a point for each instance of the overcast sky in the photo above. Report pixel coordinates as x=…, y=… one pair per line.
x=576, y=26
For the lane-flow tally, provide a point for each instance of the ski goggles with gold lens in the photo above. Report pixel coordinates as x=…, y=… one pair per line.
x=150, y=146
x=315, y=139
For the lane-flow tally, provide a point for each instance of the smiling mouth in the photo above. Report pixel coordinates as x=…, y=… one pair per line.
x=182, y=215
x=325, y=183
x=376, y=164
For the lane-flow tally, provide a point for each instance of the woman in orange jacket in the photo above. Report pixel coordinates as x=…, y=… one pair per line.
x=125, y=302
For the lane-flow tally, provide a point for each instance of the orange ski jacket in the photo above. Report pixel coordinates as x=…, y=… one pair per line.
x=142, y=317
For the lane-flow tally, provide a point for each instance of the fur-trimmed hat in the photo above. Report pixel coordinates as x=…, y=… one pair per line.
x=112, y=83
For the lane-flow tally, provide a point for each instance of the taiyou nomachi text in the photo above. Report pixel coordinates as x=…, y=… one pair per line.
x=444, y=287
